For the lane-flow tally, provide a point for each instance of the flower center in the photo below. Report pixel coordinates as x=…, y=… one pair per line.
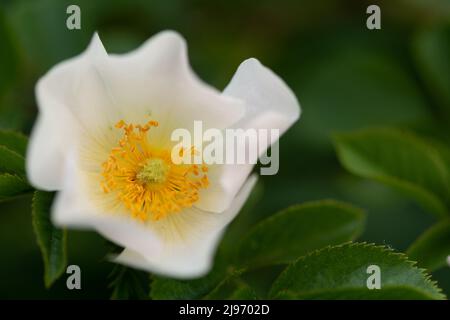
x=144, y=179
x=154, y=171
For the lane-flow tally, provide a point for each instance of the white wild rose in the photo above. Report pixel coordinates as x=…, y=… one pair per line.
x=102, y=141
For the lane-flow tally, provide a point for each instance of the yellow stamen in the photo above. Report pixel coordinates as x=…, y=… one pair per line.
x=145, y=180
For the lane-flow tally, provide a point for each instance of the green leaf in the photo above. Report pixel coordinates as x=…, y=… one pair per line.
x=14, y=141
x=11, y=161
x=298, y=230
x=128, y=284
x=443, y=150
x=340, y=272
x=242, y=292
x=12, y=185
x=394, y=293
x=431, y=48
x=51, y=240
x=232, y=288
x=400, y=160
x=13, y=147
x=432, y=247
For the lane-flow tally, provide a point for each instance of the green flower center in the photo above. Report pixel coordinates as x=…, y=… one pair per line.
x=154, y=171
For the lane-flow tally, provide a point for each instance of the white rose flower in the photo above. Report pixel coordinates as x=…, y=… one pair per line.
x=102, y=140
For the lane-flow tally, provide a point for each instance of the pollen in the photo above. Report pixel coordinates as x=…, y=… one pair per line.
x=154, y=171
x=144, y=179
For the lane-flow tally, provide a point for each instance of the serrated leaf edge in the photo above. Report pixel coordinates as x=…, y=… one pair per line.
x=384, y=249
x=359, y=212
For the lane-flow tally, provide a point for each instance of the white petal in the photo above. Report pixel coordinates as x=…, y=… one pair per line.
x=217, y=197
x=57, y=126
x=193, y=257
x=270, y=104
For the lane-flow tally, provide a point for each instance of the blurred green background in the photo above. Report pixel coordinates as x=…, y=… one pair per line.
x=345, y=76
